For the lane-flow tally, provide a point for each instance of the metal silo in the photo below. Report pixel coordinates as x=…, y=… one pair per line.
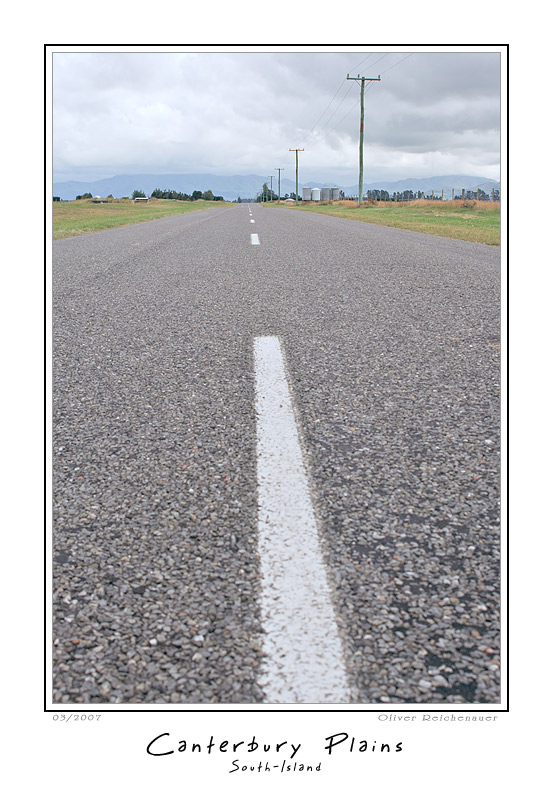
x=325, y=193
x=316, y=194
x=335, y=193
x=306, y=193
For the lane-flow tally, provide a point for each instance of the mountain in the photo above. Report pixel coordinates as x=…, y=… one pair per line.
x=233, y=186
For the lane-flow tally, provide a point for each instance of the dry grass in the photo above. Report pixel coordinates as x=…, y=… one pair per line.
x=479, y=205
x=439, y=204
x=83, y=216
x=471, y=220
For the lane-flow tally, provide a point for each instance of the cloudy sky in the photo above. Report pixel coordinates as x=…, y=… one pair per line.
x=240, y=113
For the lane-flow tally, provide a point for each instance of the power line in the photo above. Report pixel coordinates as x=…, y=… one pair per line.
x=362, y=62
x=322, y=138
x=397, y=63
x=334, y=112
x=326, y=109
x=373, y=63
x=321, y=133
x=335, y=95
x=324, y=133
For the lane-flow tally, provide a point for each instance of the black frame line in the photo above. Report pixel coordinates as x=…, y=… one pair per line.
x=374, y=708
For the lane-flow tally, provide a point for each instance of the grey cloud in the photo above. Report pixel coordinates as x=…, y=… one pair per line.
x=230, y=112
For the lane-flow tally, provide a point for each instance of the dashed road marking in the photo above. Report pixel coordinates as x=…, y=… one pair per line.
x=303, y=660
x=254, y=238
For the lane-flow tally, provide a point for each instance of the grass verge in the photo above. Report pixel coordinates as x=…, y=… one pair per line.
x=471, y=220
x=83, y=216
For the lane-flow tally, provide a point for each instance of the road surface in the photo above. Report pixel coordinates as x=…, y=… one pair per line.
x=384, y=346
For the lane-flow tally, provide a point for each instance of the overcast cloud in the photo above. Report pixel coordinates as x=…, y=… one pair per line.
x=231, y=113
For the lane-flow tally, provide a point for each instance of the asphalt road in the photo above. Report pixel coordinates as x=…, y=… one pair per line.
x=391, y=340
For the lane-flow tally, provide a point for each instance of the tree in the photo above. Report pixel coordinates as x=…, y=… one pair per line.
x=377, y=194
x=137, y=193
x=207, y=195
x=196, y=195
x=266, y=195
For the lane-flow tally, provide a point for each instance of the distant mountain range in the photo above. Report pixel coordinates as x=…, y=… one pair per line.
x=233, y=186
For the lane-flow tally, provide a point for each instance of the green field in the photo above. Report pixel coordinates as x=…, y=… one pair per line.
x=83, y=216
x=471, y=220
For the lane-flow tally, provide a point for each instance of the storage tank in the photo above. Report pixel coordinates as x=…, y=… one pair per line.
x=306, y=193
x=316, y=195
x=335, y=193
x=325, y=193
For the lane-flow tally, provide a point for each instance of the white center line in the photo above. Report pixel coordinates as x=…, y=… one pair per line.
x=252, y=220
x=303, y=661
x=254, y=238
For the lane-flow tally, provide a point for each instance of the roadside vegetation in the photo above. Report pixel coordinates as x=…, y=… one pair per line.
x=471, y=220
x=89, y=215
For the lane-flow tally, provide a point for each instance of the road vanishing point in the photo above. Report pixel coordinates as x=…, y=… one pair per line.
x=275, y=463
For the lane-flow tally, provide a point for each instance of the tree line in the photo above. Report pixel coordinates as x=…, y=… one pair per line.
x=172, y=194
x=408, y=194
x=267, y=195
x=162, y=194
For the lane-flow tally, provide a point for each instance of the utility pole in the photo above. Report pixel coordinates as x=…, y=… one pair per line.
x=280, y=169
x=361, y=130
x=271, y=195
x=298, y=150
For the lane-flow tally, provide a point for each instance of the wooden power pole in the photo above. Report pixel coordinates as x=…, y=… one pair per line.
x=298, y=150
x=280, y=169
x=361, y=130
